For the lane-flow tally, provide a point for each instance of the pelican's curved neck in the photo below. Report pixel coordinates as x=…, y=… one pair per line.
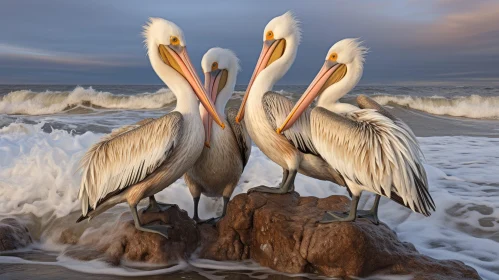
x=187, y=101
x=267, y=78
x=226, y=93
x=331, y=95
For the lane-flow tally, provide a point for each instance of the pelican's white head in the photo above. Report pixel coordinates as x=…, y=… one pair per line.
x=220, y=67
x=340, y=73
x=166, y=47
x=347, y=57
x=281, y=38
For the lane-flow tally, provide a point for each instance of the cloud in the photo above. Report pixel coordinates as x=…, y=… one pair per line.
x=471, y=29
x=23, y=53
x=409, y=40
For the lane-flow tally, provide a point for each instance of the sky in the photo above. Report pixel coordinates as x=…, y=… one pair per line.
x=411, y=42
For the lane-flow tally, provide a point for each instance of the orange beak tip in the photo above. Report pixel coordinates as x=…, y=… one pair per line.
x=278, y=130
x=207, y=145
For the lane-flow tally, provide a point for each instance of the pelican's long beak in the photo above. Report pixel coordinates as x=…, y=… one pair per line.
x=330, y=73
x=271, y=51
x=180, y=61
x=211, y=85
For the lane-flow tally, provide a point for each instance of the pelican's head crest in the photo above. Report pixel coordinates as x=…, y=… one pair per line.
x=348, y=51
x=160, y=31
x=285, y=26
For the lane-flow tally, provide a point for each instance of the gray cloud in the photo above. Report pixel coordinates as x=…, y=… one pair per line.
x=96, y=42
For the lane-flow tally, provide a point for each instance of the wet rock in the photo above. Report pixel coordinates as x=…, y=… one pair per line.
x=281, y=232
x=13, y=235
x=122, y=241
x=277, y=231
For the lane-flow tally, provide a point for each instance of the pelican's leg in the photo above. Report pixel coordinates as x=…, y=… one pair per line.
x=287, y=184
x=372, y=214
x=159, y=229
x=213, y=221
x=332, y=216
x=155, y=206
x=196, y=204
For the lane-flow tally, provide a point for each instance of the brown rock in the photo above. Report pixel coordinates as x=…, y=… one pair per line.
x=280, y=232
x=277, y=231
x=122, y=240
x=13, y=235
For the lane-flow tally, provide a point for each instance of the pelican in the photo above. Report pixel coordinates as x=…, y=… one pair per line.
x=138, y=161
x=263, y=110
x=371, y=149
x=218, y=169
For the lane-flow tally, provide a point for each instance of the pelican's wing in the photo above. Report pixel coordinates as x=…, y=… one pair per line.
x=371, y=150
x=115, y=163
x=365, y=102
x=277, y=108
x=126, y=128
x=241, y=134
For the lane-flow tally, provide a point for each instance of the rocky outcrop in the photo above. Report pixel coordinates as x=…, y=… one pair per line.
x=122, y=241
x=13, y=235
x=277, y=231
x=281, y=232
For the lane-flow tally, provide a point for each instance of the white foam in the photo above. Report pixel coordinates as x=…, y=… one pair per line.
x=473, y=106
x=27, y=102
x=37, y=169
x=37, y=176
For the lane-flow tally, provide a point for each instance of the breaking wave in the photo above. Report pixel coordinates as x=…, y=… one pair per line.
x=473, y=106
x=26, y=102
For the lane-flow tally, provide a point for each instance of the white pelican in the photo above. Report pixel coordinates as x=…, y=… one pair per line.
x=218, y=169
x=137, y=162
x=371, y=149
x=263, y=110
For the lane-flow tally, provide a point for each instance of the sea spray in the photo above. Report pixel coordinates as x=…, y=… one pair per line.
x=473, y=106
x=27, y=102
x=37, y=176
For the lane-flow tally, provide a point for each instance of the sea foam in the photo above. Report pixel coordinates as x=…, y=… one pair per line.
x=38, y=175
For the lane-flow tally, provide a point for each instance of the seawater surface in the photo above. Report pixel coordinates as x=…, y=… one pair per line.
x=45, y=129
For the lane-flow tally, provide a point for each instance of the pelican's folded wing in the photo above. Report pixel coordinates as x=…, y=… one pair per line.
x=126, y=157
x=242, y=137
x=371, y=150
x=365, y=102
x=126, y=128
x=277, y=108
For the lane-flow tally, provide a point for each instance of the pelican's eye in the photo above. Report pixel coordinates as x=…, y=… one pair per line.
x=269, y=35
x=174, y=40
x=333, y=57
x=214, y=66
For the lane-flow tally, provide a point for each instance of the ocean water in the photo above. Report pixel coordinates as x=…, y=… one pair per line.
x=45, y=129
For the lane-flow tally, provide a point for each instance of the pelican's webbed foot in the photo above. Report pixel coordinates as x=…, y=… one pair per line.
x=159, y=229
x=265, y=189
x=155, y=206
x=331, y=217
x=350, y=216
x=287, y=185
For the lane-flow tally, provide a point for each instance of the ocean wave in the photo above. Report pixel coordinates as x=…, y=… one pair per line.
x=473, y=106
x=26, y=102
x=38, y=176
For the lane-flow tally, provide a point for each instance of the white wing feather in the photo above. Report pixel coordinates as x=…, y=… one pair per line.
x=277, y=107
x=126, y=157
x=374, y=151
